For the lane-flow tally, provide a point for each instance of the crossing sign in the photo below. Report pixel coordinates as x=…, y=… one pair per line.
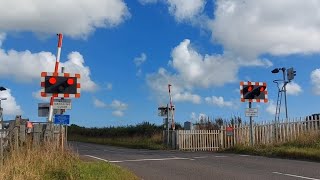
x=61, y=119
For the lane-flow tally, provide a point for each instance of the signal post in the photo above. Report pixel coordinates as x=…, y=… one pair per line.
x=253, y=92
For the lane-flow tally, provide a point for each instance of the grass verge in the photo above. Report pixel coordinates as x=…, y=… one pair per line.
x=50, y=163
x=153, y=143
x=305, y=147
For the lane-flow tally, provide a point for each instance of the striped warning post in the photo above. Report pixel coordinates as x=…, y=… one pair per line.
x=242, y=83
x=44, y=94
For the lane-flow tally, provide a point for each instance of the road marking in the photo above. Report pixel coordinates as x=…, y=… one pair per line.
x=292, y=175
x=220, y=156
x=244, y=155
x=139, y=160
x=94, y=157
x=200, y=157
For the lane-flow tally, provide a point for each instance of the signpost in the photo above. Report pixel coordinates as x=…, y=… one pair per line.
x=43, y=109
x=251, y=112
x=229, y=131
x=61, y=119
x=62, y=104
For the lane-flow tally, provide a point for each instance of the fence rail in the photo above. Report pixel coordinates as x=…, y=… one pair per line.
x=228, y=136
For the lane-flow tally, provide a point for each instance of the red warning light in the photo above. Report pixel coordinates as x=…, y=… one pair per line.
x=52, y=80
x=70, y=81
x=262, y=88
x=250, y=88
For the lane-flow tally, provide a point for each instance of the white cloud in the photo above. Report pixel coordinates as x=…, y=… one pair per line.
x=38, y=96
x=315, y=80
x=118, y=105
x=140, y=60
x=185, y=10
x=271, y=108
x=118, y=113
x=250, y=28
x=186, y=96
x=203, y=71
x=76, y=18
x=2, y=38
x=10, y=106
x=218, y=101
x=293, y=88
x=98, y=103
x=182, y=10
x=25, y=66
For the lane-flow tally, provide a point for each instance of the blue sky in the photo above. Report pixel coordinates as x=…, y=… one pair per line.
x=128, y=51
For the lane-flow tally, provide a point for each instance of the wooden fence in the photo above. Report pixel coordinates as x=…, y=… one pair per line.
x=15, y=134
x=227, y=137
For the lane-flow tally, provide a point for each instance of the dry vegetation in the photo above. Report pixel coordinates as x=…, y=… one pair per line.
x=48, y=162
x=306, y=146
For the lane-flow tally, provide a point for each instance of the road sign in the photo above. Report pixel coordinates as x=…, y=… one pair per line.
x=61, y=119
x=253, y=92
x=43, y=109
x=229, y=131
x=251, y=112
x=62, y=104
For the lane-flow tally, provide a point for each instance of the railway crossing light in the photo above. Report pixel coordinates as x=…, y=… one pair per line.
x=291, y=73
x=60, y=85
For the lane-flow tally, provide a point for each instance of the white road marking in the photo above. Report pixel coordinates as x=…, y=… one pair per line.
x=94, y=157
x=220, y=156
x=200, y=157
x=244, y=155
x=139, y=160
x=292, y=175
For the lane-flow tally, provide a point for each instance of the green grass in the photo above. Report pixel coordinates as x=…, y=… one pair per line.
x=305, y=147
x=103, y=170
x=49, y=162
x=154, y=142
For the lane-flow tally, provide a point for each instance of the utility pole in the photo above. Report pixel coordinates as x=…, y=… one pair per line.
x=171, y=108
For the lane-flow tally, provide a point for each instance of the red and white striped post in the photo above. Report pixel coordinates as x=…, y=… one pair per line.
x=56, y=68
x=171, y=108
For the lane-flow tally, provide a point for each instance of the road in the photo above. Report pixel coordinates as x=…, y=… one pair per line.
x=158, y=164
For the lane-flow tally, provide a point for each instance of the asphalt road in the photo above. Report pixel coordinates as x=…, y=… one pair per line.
x=158, y=164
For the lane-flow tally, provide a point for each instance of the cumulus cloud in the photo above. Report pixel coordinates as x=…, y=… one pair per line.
x=315, y=81
x=2, y=38
x=186, y=96
x=293, y=88
x=10, y=106
x=98, y=103
x=76, y=18
x=185, y=10
x=182, y=10
x=218, y=101
x=203, y=71
x=250, y=28
x=25, y=66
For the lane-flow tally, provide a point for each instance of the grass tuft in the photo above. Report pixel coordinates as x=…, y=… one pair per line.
x=51, y=163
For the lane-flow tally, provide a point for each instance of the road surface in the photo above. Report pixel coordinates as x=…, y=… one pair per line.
x=158, y=164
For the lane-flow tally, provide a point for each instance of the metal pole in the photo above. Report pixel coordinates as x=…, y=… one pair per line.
x=167, y=122
x=251, y=126
x=285, y=91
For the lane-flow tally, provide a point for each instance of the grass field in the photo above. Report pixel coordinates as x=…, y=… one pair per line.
x=154, y=142
x=54, y=164
x=306, y=147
